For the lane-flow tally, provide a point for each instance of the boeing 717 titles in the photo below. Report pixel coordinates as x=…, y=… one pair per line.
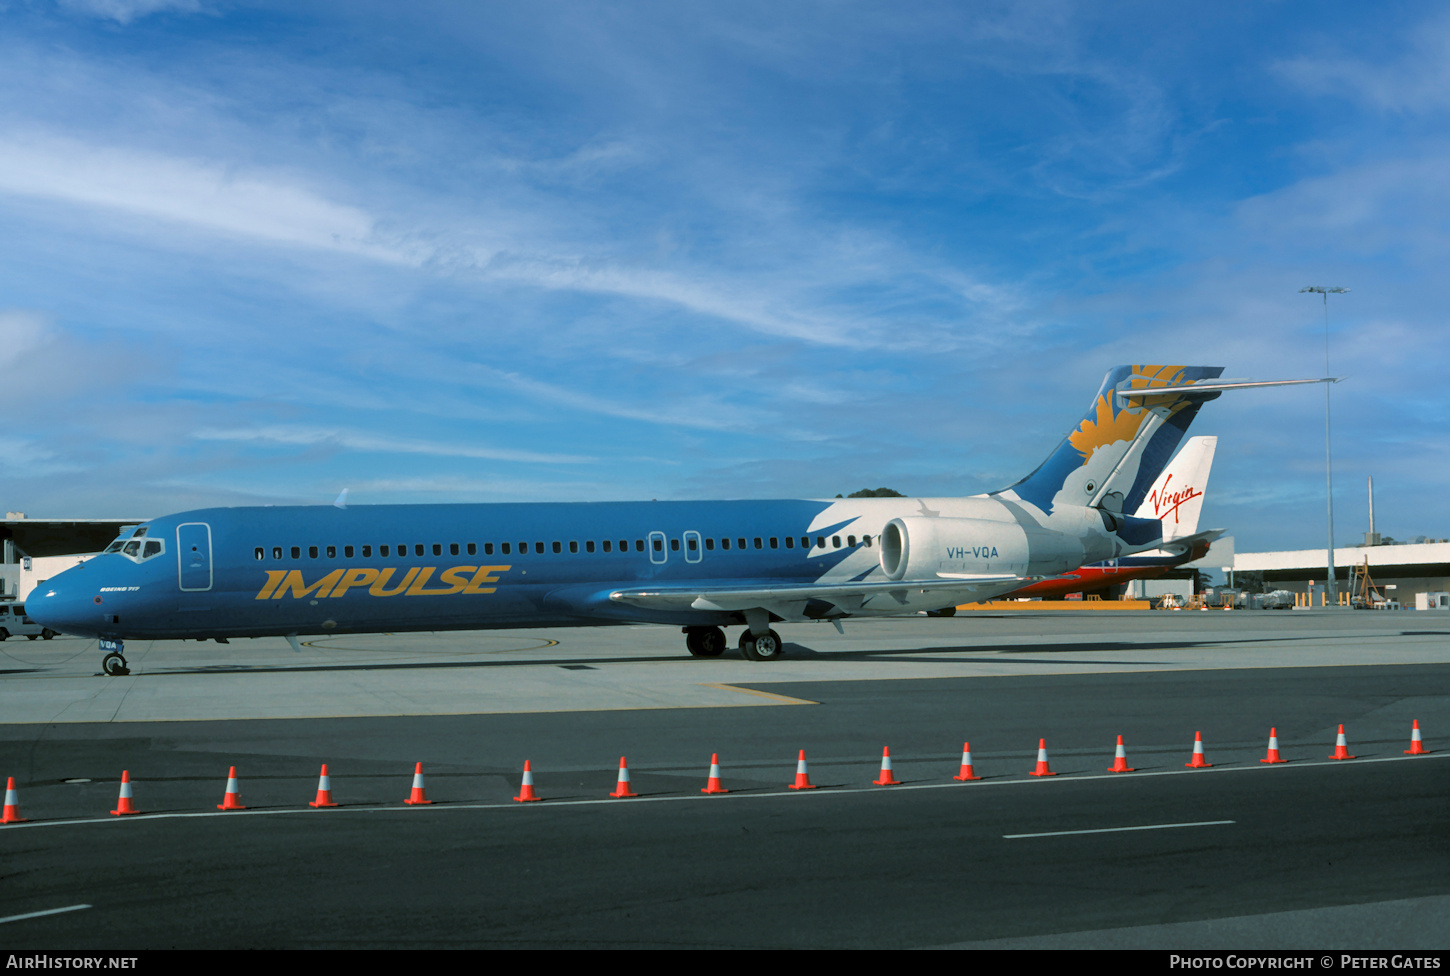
x=220, y=573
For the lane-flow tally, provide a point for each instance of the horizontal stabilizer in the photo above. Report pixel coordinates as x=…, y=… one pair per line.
x=1152, y=394
x=1186, y=544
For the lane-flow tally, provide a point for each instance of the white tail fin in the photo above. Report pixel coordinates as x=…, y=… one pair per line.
x=1177, y=496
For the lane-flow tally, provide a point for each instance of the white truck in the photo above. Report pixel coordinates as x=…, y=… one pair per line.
x=14, y=623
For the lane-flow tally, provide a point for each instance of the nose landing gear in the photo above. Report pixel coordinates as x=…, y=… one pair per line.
x=114, y=664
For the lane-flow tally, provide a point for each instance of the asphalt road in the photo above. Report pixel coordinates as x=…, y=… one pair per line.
x=847, y=865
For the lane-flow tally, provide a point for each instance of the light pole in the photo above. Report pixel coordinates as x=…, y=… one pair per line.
x=1332, y=593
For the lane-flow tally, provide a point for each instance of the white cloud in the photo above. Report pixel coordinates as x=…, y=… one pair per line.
x=201, y=193
x=125, y=11
x=316, y=436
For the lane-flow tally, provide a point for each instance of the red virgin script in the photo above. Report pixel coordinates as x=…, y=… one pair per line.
x=1166, y=501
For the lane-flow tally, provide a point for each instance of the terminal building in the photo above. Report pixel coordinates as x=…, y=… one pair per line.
x=1401, y=570
x=33, y=550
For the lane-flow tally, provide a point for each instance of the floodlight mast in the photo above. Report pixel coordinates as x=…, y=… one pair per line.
x=1332, y=593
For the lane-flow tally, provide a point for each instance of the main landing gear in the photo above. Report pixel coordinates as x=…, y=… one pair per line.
x=705, y=641
x=761, y=647
x=710, y=642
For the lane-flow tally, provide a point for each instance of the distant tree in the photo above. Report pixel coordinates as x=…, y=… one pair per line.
x=875, y=493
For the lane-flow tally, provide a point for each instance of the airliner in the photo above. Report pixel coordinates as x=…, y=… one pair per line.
x=1175, y=499
x=222, y=573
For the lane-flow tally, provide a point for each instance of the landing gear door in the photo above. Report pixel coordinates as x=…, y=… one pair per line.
x=193, y=553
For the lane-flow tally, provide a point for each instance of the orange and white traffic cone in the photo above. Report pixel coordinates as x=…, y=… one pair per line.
x=526, y=788
x=802, y=775
x=324, y=790
x=419, y=796
x=886, y=778
x=1198, y=761
x=621, y=787
x=233, y=798
x=1417, y=748
x=1042, y=769
x=1273, y=756
x=712, y=785
x=1120, y=760
x=123, y=805
x=966, y=773
x=12, y=804
x=1341, y=747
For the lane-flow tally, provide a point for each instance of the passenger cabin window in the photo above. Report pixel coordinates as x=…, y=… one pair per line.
x=312, y=552
x=347, y=551
x=383, y=551
x=296, y=552
x=504, y=547
x=774, y=542
x=276, y=552
x=724, y=543
x=674, y=545
x=332, y=552
x=418, y=549
x=790, y=542
x=453, y=549
x=589, y=546
x=367, y=552
x=487, y=548
x=758, y=544
x=438, y=549
x=851, y=541
x=835, y=542
x=538, y=548
x=606, y=545
x=709, y=544
x=472, y=549
x=261, y=553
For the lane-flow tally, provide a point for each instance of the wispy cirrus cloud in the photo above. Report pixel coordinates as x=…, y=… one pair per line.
x=370, y=443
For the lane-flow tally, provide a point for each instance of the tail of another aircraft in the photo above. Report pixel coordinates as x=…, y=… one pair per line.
x=1176, y=498
x=1117, y=451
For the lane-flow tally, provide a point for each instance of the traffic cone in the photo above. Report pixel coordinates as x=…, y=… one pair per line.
x=324, y=790
x=966, y=772
x=1042, y=769
x=419, y=796
x=233, y=798
x=886, y=778
x=12, y=804
x=1417, y=748
x=621, y=788
x=712, y=785
x=1120, y=760
x=526, y=788
x=1198, y=760
x=1341, y=748
x=802, y=775
x=123, y=805
x=1273, y=756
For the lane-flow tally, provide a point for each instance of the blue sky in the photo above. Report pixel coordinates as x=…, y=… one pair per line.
x=258, y=252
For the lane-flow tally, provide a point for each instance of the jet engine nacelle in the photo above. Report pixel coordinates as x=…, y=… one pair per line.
x=920, y=548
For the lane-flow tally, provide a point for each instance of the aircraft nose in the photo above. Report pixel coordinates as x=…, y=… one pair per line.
x=65, y=606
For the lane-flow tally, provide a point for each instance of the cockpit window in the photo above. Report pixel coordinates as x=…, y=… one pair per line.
x=137, y=548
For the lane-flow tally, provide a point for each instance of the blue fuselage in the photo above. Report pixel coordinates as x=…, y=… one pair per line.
x=236, y=572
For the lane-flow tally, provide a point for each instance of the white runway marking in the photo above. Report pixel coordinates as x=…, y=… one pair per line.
x=1116, y=830
x=48, y=911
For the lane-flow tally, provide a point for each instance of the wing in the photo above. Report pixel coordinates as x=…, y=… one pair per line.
x=813, y=601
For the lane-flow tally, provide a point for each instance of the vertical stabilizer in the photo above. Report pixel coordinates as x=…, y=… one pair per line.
x=1111, y=459
x=1176, y=498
